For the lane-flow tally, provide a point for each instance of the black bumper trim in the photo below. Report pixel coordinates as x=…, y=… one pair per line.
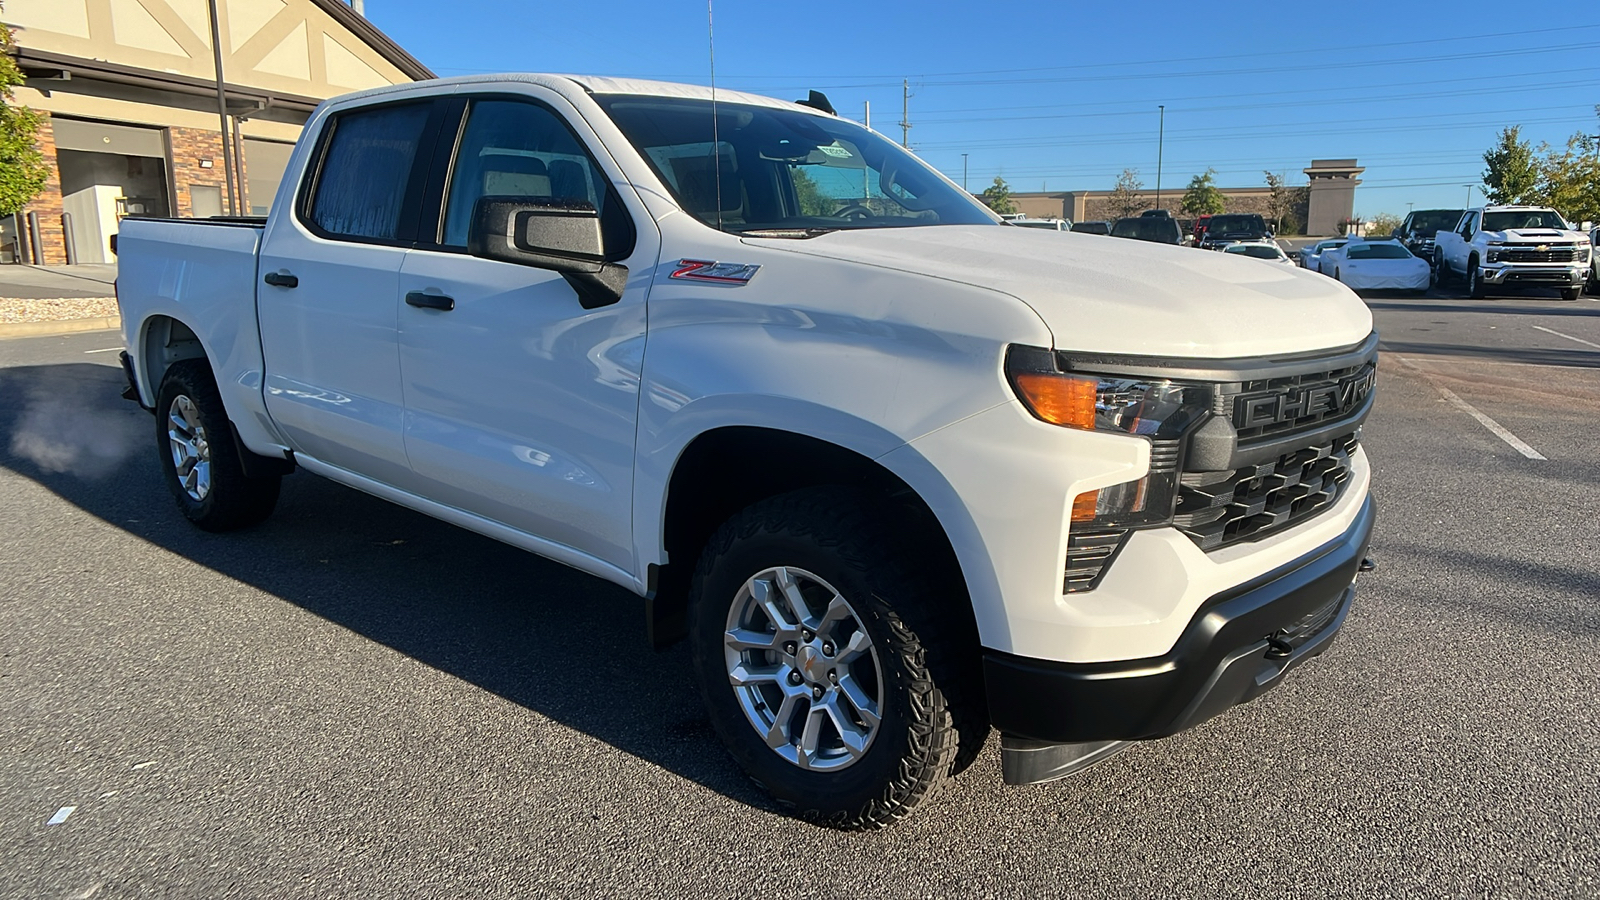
x=1231, y=652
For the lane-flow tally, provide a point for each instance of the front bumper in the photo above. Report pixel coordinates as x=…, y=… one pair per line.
x=1561, y=276
x=1237, y=646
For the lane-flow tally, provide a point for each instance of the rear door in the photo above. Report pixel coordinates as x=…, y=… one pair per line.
x=521, y=405
x=330, y=297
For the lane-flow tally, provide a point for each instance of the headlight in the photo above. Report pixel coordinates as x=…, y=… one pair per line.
x=1583, y=252
x=1159, y=410
x=1494, y=254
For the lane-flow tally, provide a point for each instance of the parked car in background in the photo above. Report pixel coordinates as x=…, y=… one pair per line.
x=1513, y=247
x=1377, y=266
x=1593, y=284
x=1199, y=227
x=1311, y=254
x=1156, y=229
x=1229, y=229
x=1266, y=250
x=1420, y=225
x=1095, y=227
x=1045, y=224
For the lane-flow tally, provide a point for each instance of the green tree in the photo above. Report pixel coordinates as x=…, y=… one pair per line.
x=1512, y=175
x=1203, y=197
x=997, y=197
x=1125, y=199
x=813, y=201
x=22, y=169
x=1569, y=179
x=1383, y=224
x=1280, y=200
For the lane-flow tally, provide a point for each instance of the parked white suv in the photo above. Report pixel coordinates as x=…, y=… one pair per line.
x=898, y=473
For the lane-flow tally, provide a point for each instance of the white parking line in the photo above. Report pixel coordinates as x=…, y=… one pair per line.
x=105, y=350
x=1567, y=336
x=1495, y=428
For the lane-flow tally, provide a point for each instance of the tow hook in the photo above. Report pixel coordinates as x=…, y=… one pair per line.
x=1368, y=564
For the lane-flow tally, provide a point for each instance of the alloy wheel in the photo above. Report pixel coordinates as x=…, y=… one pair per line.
x=191, y=452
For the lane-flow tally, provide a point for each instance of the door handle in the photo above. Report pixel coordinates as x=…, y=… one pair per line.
x=281, y=279
x=430, y=301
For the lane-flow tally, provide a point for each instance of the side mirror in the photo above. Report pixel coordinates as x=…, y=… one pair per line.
x=562, y=237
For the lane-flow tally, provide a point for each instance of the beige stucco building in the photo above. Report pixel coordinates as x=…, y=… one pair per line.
x=132, y=125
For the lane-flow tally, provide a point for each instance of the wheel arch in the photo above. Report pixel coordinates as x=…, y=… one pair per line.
x=726, y=469
x=164, y=340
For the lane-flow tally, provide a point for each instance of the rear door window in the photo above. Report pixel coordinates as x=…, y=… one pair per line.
x=365, y=172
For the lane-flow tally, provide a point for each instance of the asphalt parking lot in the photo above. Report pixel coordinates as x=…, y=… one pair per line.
x=356, y=700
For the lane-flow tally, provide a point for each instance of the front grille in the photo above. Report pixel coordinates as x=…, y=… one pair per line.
x=1270, y=407
x=1216, y=509
x=1530, y=255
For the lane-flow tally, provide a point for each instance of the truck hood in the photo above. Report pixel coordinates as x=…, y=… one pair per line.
x=1534, y=236
x=1111, y=295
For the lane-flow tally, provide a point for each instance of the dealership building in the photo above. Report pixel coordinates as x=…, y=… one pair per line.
x=1330, y=202
x=135, y=124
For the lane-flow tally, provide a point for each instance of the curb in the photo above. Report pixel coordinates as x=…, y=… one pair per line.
x=64, y=326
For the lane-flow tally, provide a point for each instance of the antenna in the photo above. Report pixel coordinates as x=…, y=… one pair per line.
x=716, y=152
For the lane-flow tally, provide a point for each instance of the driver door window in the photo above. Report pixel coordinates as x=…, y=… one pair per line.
x=517, y=149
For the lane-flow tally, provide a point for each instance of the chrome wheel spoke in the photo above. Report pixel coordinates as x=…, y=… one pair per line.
x=838, y=611
x=746, y=639
x=191, y=455
x=811, y=735
x=851, y=735
x=866, y=707
x=778, y=733
x=745, y=675
x=859, y=645
x=797, y=603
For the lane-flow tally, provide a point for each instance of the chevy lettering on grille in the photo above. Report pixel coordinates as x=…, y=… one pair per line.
x=1328, y=400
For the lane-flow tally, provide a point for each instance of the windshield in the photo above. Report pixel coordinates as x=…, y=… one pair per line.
x=1258, y=251
x=1426, y=222
x=1229, y=224
x=1327, y=245
x=1378, y=251
x=1523, y=218
x=785, y=172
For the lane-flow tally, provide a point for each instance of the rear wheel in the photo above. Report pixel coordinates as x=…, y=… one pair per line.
x=831, y=660
x=198, y=456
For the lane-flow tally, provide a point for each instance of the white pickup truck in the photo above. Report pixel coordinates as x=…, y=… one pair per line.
x=1513, y=247
x=899, y=472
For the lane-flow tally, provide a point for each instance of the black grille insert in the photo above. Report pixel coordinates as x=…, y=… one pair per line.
x=1216, y=509
x=1088, y=554
x=1532, y=255
x=1277, y=406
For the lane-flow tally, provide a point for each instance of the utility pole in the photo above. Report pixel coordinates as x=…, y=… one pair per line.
x=964, y=172
x=905, y=113
x=222, y=108
x=1161, y=145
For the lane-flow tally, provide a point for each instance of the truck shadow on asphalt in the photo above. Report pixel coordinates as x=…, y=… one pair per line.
x=555, y=641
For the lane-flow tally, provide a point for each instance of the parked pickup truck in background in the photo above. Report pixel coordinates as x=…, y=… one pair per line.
x=1420, y=226
x=898, y=473
x=1513, y=247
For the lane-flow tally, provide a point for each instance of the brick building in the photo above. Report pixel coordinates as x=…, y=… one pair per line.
x=128, y=90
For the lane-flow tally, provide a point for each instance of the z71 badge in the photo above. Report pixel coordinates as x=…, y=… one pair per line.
x=718, y=272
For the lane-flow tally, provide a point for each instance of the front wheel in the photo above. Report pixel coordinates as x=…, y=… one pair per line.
x=198, y=457
x=1475, y=286
x=837, y=670
x=1570, y=293
x=1441, y=269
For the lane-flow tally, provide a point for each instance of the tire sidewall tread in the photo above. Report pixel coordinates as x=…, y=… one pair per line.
x=234, y=500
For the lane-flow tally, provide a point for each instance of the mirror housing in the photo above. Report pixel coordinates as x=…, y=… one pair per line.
x=559, y=236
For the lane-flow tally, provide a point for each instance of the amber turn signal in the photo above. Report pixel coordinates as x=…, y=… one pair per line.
x=1059, y=399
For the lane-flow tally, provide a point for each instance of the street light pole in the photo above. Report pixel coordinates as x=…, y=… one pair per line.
x=1161, y=144
x=1469, y=195
x=964, y=172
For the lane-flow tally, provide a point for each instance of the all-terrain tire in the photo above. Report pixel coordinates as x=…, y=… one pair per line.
x=1570, y=293
x=1441, y=270
x=1475, y=287
x=188, y=401
x=930, y=697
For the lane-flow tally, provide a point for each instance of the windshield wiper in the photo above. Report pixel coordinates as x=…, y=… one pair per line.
x=798, y=233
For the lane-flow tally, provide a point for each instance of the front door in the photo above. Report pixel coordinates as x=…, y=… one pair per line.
x=329, y=295
x=520, y=404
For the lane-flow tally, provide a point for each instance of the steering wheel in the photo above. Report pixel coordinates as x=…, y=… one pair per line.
x=854, y=212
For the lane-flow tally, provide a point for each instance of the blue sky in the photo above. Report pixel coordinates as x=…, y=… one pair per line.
x=1063, y=96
